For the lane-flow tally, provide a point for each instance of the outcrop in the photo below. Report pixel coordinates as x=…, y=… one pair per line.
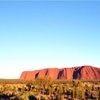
x=80, y=72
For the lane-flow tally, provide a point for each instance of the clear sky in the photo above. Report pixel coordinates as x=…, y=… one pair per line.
x=36, y=35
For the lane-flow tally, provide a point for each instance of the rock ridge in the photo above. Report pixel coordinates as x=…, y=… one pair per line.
x=85, y=72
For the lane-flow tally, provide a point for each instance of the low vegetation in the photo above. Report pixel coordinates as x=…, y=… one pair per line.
x=47, y=89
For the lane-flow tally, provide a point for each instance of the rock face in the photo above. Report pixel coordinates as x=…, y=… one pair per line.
x=81, y=72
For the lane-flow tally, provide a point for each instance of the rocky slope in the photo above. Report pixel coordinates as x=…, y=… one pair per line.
x=81, y=72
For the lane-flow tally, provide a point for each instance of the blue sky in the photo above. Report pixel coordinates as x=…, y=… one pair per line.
x=36, y=35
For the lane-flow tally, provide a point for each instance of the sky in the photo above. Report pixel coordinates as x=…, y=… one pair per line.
x=48, y=34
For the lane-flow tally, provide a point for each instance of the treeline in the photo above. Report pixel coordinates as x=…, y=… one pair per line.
x=47, y=89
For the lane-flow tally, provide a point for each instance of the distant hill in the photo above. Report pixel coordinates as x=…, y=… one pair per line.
x=81, y=73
